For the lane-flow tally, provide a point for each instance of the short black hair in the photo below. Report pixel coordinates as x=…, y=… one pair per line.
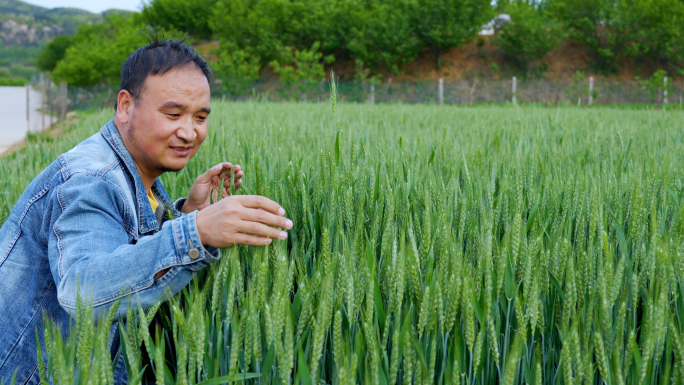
x=158, y=57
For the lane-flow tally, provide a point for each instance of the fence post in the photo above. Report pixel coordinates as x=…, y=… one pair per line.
x=659, y=98
x=441, y=91
x=50, y=105
x=515, y=84
x=64, y=96
x=665, y=90
x=472, y=93
x=591, y=90
x=372, y=93
x=42, y=97
x=28, y=125
x=59, y=102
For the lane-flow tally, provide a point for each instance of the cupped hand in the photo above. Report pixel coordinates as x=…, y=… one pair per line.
x=209, y=184
x=242, y=220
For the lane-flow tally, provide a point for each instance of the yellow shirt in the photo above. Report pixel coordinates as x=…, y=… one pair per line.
x=153, y=200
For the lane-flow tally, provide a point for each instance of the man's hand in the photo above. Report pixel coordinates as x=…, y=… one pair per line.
x=209, y=184
x=243, y=220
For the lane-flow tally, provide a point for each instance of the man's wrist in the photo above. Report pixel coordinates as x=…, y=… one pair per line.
x=199, y=224
x=186, y=208
x=191, y=249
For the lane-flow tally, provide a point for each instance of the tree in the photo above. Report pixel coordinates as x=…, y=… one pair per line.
x=444, y=24
x=381, y=34
x=592, y=24
x=237, y=70
x=531, y=35
x=652, y=31
x=98, y=51
x=656, y=84
x=189, y=16
x=610, y=29
x=53, y=52
x=264, y=27
x=299, y=70
x=253, y=26
x=322, y=21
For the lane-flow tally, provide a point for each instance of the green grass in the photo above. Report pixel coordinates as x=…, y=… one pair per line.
x=431, y=245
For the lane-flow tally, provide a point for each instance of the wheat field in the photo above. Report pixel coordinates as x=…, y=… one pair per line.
x=431, y=245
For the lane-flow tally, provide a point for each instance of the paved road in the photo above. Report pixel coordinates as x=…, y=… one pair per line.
x=13, y=124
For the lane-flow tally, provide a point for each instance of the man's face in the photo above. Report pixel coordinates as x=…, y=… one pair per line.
x=165, y=126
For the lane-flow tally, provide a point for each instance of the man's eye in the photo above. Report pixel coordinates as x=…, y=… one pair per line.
x=174, y=115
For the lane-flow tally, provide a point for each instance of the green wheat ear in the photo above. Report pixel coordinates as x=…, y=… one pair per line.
x=169, y=212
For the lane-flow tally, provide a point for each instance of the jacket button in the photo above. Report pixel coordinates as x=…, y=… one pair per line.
x=193, y=253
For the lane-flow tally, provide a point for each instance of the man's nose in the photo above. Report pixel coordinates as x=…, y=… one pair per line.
x=186, y=130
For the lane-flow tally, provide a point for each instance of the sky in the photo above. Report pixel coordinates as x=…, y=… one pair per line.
x=95, y=6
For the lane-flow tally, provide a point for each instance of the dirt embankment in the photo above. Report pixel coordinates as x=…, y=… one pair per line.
x=482, y=59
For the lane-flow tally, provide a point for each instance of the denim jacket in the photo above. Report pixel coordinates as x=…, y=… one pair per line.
x=85, y=225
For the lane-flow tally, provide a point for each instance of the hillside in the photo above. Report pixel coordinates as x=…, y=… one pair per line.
x=26, y=24
x=25, y=28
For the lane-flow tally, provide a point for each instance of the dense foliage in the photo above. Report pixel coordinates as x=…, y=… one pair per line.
x=431, y=245
x=530, y=37
x=644, y=29
x=53, y=53
x=96, y=53
x=441, y=25
x=381, y=36
x=182, y=15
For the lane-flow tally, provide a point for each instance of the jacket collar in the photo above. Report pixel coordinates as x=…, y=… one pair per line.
x=147, y=221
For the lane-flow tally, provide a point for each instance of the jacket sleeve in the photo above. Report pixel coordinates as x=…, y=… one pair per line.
x=178, y=204
x=92, y=252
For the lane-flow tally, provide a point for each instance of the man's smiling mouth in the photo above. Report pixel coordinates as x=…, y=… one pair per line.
x=181, y=150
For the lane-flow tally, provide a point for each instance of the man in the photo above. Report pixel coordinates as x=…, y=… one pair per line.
x=95, y=221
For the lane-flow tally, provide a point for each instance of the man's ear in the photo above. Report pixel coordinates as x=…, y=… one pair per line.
x=124, y=102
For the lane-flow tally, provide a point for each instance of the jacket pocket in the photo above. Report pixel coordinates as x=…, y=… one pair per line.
x=16, y=228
